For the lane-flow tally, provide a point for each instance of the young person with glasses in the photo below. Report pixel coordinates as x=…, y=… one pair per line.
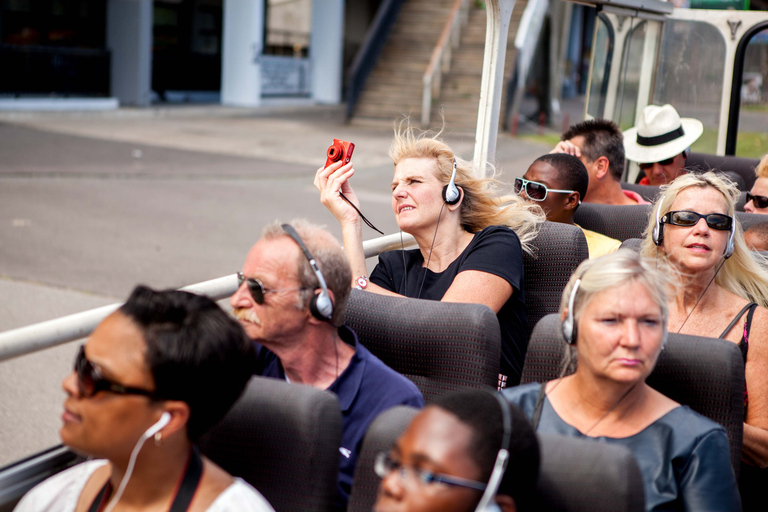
x=445, y=458
x=150, y=380
x=470, y=245
x=660, y=143
x=757, y=198
x=719, y=288
x=558, y=183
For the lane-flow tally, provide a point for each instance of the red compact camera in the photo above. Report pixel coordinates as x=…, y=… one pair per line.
x=339, y=150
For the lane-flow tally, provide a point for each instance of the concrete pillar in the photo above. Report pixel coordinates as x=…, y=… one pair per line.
x=326, y=50
x=242, y=37
x=129, y=38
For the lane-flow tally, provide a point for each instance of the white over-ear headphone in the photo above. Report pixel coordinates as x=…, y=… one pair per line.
x=487, y=501
x=569, y=324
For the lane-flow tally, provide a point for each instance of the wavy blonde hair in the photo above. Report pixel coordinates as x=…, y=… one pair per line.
x=741, y=273
x=482, y=206
x=761, y=171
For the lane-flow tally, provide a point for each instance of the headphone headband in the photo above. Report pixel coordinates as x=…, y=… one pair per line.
x=321, y=305
x=486, y=503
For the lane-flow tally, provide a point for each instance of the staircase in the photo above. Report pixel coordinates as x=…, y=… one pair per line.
x=395, y=85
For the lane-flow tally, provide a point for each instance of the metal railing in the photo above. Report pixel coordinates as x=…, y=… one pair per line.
x=440, y=62
x=32, y=338
x=369, y=52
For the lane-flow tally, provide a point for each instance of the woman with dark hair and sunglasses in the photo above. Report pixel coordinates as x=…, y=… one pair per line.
x=719, y=289
x=163, y=368
x=470, y=244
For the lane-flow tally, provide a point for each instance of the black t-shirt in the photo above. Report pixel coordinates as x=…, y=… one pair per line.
x=495, y=250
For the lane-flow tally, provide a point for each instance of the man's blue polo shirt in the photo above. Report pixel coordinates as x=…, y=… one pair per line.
x=366, y=388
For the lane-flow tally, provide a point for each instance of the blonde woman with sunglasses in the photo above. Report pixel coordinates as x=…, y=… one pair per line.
x=757, y=198
x=720, y=289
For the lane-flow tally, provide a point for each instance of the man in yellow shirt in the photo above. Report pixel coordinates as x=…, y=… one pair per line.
x=558, y=182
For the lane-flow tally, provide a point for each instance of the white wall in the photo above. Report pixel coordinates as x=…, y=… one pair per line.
x=129, y=38
x=243, y=26
x=326, y=47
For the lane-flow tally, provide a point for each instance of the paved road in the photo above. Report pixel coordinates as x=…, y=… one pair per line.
x=92, y=204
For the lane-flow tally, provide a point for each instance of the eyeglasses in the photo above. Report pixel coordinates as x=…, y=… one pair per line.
x=758, y=201
x=257, y=289
x=384, y=465
x=534, y=190
x=90, y=380
x=718, y=221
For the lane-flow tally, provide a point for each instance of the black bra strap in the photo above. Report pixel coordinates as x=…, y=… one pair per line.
x=189, y=484
x=539, y=406
x=736, y=319
x=751, y=313
x=184, y=494
x=101, y=498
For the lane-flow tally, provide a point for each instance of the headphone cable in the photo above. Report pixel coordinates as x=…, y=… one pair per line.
x=701, y=296
x=429, y=258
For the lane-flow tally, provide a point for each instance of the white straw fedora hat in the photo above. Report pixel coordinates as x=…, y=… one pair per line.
x=660, y=134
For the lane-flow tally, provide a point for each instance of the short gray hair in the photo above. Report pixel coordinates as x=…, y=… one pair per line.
x=330, y=258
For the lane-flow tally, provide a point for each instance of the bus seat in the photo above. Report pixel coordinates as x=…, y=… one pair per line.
x=573, y=470
x=743, y=167
x=283, y=439
x=381, y=434
x=440, y=346
x=633, y=244
x=559, y=248
x=647, y=192
x=750, y=219
x=616, y=221
x=705, y=374
x=741, y=202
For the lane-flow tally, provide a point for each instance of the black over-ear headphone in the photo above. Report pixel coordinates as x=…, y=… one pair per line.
x=569, y=324
x=451, y=194
x=487, y=502
x=321, y=305
x=658, y=232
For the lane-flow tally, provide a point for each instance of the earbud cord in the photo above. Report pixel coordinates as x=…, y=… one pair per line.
x=701, y=296
x=429, y=258
x=404, y=284
x=128, y=472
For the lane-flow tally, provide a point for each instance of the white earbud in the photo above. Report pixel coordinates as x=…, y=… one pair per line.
x=154, y=429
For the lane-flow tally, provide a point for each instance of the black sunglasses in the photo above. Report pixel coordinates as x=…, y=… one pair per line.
x=717, y=221
x=758, y=201
x=257, y=288
x=663, y=163
x=534, y=190
x=90, y=380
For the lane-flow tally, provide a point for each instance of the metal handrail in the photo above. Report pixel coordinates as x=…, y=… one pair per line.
x=39, y=336
x=441, y=56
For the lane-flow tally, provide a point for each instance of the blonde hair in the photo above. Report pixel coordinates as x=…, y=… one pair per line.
x=481, y=206
x=597, y=275
x=761, y=171
x=741, y=273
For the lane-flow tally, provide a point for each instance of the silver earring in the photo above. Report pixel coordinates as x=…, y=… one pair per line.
x=158, y=439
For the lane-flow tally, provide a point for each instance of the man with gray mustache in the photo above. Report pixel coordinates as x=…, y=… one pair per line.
x=293, y=292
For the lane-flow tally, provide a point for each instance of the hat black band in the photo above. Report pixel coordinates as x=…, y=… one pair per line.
x=660, y=139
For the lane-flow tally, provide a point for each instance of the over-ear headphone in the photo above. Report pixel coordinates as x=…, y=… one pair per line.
x=487, y=502
x=321, y=305
x=569, y=324
x=658, y=232
x=451, y=194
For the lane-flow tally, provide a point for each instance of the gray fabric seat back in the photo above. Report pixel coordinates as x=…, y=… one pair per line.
x=616, y=221
x=734, y=166
x=440, y=346
x=382, y=433
x=559, y=248
x=284, y=440
x=578, y=475
x=703, y=373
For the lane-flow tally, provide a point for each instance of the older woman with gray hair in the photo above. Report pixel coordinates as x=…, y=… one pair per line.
x=614, y=312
